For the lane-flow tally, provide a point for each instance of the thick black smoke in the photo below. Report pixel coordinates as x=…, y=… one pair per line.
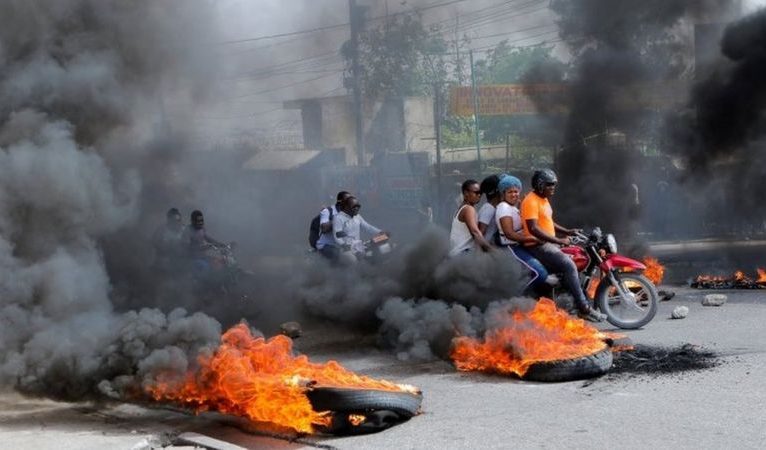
x=616, y=46
x=80, y=117
x=730, y=104
x=419, y=299
x=720, y=139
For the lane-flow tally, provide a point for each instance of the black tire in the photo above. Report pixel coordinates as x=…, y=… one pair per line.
x=589, y=366
x=345, y=400
x=619, y=343
x=628, y=318
x=374, y=421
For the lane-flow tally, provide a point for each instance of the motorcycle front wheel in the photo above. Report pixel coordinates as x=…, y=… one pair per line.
x=630, y=302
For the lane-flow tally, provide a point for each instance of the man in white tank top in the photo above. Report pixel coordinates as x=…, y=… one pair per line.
x=464, y=233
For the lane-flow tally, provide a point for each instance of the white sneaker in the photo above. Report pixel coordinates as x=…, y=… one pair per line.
x=552, y=280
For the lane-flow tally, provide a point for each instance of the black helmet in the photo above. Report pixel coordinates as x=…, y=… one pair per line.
x=542, y=177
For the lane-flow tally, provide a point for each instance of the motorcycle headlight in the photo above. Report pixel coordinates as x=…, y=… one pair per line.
x=611, y=243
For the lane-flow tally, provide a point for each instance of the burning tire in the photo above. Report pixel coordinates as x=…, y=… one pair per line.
x=619, y=342
x=361, y=411
x=364, y=400
x=630, y=312
x=588, y=366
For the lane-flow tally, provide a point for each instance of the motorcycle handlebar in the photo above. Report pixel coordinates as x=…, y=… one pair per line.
x=578, y=238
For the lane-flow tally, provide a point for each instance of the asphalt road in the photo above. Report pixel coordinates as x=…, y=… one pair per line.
x=713, y=408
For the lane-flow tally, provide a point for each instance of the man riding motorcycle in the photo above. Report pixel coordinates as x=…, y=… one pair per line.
x=347, y=227
x=537, y=221
x=199, y=243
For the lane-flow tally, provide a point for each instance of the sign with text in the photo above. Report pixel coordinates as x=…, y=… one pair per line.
x=510, y=99
x=555, y=98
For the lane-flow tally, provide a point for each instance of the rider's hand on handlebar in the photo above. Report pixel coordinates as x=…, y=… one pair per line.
x=565, y=241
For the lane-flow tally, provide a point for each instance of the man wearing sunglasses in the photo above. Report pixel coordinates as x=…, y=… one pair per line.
x=348, y=225
x=537, y=220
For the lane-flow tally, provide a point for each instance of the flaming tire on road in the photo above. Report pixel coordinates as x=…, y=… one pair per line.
x=360, y=411
x=544, y=344
x=583, y=367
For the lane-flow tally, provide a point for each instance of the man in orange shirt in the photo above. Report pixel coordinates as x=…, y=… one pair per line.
x=537, y=219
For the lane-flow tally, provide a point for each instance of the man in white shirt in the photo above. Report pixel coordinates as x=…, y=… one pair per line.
x=326, y=243
x=487, y=223
x=348, y=226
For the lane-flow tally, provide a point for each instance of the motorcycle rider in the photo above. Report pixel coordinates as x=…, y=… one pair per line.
x=348, y=225
x=486, y=218
x=511, y=234
x=537, y=221
x=464, y=232
x=167, y=241
x=198, y=242
x=326, y=245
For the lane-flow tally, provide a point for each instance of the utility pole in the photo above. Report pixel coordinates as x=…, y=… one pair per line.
x=475, y=113
x=438, y=131
x=356, y=19
x=507, y=152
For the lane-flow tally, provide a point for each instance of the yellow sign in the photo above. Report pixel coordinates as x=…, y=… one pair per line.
x=511, y=99
x=529, y=99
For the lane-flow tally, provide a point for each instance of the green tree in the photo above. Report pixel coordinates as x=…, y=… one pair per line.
x=506, y=64
x=399, y=58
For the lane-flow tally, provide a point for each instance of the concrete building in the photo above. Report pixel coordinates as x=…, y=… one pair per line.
x=390, y=126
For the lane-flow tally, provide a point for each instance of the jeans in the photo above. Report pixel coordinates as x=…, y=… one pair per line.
x=539, y=272
x=551, y=256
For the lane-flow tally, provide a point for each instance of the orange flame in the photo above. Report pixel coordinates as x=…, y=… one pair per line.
x=761, y=275
x=654, y=270
x=356, y=419
x=543, y=334
x=260, y=379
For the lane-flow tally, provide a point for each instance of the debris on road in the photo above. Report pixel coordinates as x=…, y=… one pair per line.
x=714, y=300
x=737, y=281
x=665, y=295
x=680, y=312
x=201, y=441
x=661, y=361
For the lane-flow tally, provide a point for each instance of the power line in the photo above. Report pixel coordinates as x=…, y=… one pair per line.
x=269, y=69
x=331, y=27
x=478, y=38
x=264, y=91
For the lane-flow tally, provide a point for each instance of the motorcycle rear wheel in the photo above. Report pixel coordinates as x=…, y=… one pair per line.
x=634, y=312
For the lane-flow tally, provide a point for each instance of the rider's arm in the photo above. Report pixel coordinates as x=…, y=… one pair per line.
x=367, y=228
x=542, y=235
x=506, y=223
x=209, y=239
x=564, y=230
x=325, y=224
x=468, y=217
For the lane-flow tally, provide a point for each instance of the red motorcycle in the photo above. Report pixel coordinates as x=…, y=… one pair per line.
x=613, y=282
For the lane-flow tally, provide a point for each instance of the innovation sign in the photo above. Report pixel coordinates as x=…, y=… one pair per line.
x=553, y=98
x=510, y=99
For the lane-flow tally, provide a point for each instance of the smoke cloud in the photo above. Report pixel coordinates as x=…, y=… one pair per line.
x=79, y=120
x=720, y=139
x=419, y=299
